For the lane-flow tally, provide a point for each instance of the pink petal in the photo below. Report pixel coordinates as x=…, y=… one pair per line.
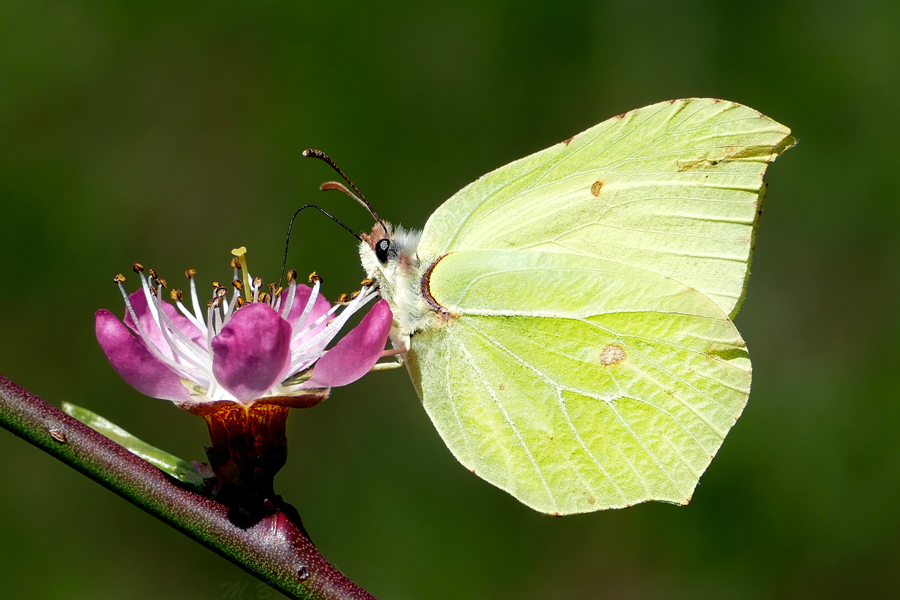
x=134, y=363
x=356, y=353
x=252, y=353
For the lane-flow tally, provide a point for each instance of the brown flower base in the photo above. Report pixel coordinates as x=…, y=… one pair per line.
x=249, y=447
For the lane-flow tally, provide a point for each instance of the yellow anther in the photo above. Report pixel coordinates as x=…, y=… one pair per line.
x=118, y=279
x=240, y=254
x=137, y=268
x=190, y=273
x=315, y=277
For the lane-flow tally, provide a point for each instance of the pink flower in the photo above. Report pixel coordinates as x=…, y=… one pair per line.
x=260, y=345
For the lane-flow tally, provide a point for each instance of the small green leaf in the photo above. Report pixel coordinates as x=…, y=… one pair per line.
x=178, y=468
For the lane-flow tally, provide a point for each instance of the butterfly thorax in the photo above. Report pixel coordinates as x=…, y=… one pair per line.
x=399, y=278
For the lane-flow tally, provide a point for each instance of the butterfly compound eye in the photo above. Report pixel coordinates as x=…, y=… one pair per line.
x=381, y=250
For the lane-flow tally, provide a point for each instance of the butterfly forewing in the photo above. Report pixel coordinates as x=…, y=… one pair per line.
x=673, y=188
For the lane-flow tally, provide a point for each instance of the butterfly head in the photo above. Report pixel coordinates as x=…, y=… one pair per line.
x=389, y=256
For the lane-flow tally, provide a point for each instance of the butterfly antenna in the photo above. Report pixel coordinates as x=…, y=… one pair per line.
x=287, y=241
x=337, y=186
x=313, y=153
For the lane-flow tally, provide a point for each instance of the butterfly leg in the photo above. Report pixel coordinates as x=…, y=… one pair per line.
x=398, y=361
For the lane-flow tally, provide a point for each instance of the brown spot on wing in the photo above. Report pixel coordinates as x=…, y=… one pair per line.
x=568, y=141
x=425, y=289
x=612, y=354
x=595, y=189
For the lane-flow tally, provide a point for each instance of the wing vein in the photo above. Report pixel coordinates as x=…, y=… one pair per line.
x=558, y=389
x=509, y=422
x=558, y=386
x=637, y=437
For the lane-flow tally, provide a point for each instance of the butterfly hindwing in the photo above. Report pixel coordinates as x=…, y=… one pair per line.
x=673, y=188
x=577, y=383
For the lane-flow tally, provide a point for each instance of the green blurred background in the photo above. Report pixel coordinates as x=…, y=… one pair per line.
x=170, y=132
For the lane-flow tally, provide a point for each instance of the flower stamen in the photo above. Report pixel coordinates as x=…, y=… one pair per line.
x=333, y=326
x=257, y=285
x=241, y=255
x=292, y=293
x=181, y=352
x=156, y=352
x=313, y=296
x=178, y=297
x=195, y=301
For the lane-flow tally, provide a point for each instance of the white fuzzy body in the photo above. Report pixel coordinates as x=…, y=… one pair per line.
x=399, y=280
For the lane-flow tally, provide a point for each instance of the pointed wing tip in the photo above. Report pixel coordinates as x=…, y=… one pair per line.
x=786, y=144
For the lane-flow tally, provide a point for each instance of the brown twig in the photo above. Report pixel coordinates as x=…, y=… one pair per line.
x=275, y=549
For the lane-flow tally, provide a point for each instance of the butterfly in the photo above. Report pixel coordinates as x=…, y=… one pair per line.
x=566, y=318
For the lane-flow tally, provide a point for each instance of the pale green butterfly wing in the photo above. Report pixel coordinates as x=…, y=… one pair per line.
x=674, y=187
x=576, y=383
